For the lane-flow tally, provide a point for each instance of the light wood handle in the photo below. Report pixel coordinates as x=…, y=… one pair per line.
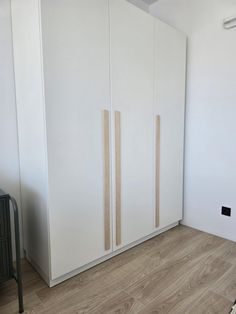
x=118, y=176
x=107, y=180
x=158, y=153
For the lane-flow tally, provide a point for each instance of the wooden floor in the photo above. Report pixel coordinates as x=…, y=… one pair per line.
x=180, y=271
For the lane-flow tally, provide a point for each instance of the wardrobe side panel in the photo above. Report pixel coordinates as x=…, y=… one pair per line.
x=31, y=129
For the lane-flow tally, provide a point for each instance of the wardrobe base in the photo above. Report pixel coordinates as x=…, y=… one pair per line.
x=54, y=282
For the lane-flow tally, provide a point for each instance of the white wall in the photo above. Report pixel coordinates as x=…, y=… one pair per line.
x=210, y=168
x=9, y=161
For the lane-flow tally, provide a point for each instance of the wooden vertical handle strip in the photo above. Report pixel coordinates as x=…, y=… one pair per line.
x=118, y=176
x=158, y=153
x=107, y=180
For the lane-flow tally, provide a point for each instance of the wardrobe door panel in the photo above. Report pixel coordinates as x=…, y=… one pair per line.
x=76, y=65
x=170, y=60
x=132, y=77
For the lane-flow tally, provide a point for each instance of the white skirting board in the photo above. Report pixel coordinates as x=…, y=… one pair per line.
x=52, y=283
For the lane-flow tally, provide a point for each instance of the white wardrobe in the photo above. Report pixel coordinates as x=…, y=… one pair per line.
x=100, y=89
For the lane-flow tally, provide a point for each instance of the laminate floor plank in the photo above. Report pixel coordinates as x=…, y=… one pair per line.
x=31, y=302
x=193, y=281
x=31, y=282
x=119, y=303
x=172, y=268
x=209, y=303
x=226, y=286
x=180, y=271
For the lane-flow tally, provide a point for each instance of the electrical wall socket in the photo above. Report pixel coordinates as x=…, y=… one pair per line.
x=226, y=211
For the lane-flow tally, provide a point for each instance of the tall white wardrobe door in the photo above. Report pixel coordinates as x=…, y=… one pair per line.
x=170, y=60
x=132, y=76
x=76, y=65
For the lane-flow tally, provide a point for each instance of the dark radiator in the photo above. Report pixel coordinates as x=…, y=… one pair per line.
x=7, y=270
